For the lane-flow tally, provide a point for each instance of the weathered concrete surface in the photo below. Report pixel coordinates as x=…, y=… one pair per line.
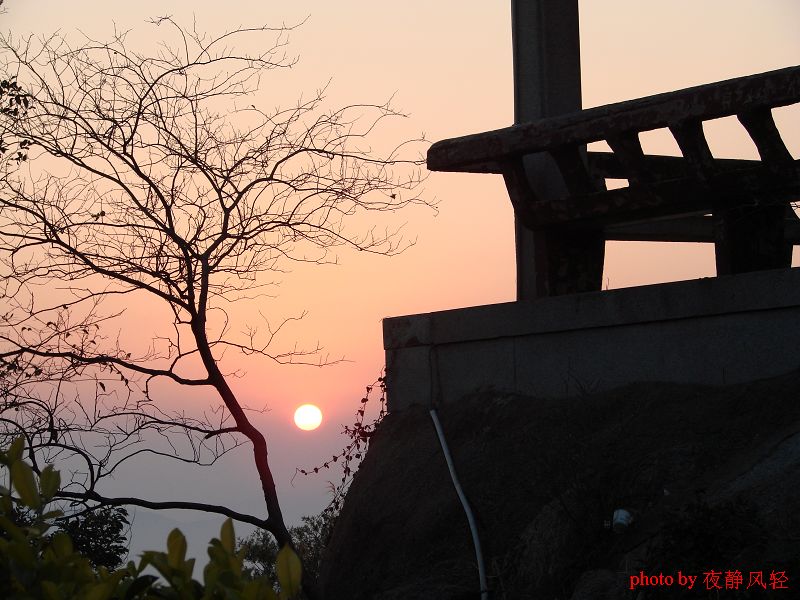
x=710, y=475
x=715, y=331
x=546, y=50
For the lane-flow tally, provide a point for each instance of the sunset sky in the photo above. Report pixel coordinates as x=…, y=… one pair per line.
x=448, y=65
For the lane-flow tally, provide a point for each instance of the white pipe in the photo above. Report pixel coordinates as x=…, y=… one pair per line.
x=470, y=517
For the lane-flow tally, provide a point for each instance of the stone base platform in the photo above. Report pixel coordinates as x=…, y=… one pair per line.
x=721, y=330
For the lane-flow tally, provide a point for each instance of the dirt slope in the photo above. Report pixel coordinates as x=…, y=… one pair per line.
x=710, y=475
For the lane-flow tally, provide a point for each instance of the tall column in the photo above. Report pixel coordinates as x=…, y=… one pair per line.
x=547, y=83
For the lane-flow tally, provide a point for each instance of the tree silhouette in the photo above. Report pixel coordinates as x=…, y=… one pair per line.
x=156, y=177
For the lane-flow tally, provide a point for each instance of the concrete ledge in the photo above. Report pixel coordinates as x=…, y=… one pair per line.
x=711, y=331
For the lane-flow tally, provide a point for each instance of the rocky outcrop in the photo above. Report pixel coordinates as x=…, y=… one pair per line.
x=709, y=475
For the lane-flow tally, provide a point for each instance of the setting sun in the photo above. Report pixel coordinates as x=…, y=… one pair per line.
x=307, y=417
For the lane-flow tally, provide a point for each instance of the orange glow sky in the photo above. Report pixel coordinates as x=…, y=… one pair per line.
x=448, y=62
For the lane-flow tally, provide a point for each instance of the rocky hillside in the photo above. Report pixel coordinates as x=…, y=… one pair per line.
x=709, y=475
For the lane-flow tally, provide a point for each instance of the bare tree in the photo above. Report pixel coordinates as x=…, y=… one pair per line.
x=155, y=176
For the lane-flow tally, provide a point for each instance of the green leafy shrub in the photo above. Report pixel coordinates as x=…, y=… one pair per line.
x=35, y=565
x=260, y=551
x=100, y=535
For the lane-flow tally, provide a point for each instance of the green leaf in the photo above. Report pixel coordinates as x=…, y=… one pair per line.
x=49, y=482
x=99, y=591
x=146, y=560
x=139, y=585
x=16, y=449
x=51, y=591
x=290, y=570
x=24, y=481
x=61, y=544
x=52, y=514
x=12, y=530
x=216, y=553
x=259, y=589
x=23, y=554
x=226, y=536
x=176, y=548
x=160, y=563
x=6, y=505
x=188, y=567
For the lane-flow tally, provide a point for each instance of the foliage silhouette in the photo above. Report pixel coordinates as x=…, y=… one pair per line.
x=100, y=534
x=34, y=565
x=260, y=551
x=360, y=434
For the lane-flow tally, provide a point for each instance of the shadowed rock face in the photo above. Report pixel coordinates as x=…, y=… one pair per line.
x=709, y=475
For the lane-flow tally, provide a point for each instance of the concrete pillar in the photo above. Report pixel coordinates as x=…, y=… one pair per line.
x=547, y=83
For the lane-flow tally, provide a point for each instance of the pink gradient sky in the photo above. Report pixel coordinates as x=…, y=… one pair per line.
x=448, y=63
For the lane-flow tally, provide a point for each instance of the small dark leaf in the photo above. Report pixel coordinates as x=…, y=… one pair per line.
x=139, y=585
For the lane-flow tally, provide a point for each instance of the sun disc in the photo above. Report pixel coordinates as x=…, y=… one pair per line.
x=307, y=417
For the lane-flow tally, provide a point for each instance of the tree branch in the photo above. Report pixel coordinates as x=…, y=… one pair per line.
x=131, y=501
